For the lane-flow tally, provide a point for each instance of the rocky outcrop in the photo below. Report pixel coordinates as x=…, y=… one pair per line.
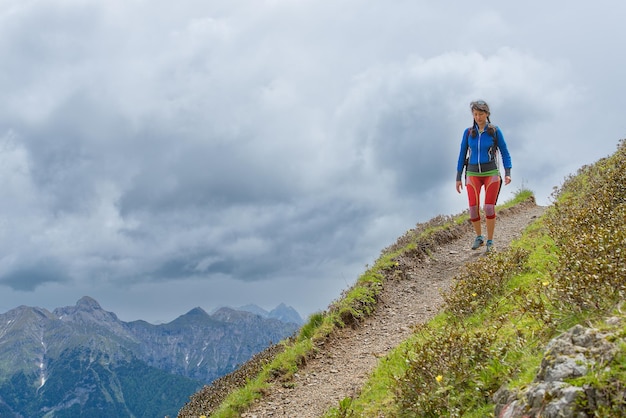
x=573, y=354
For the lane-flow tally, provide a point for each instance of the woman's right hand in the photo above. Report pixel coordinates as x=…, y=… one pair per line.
x=459, y=186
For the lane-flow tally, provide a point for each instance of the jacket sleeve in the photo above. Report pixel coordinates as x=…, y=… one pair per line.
x=504, y=151
x=462, y=154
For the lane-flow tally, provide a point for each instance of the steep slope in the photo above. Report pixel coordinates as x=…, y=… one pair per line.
x=340, y=367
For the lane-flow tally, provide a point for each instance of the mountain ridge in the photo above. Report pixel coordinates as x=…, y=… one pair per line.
x=49, y=359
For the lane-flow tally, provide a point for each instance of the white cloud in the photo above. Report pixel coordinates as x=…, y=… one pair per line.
x=275, y=145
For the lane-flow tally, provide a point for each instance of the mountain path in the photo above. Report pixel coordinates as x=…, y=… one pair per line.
x=344, y=363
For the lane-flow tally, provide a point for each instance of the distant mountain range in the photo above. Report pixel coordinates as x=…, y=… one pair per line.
x=282, y=312
x=83, y=361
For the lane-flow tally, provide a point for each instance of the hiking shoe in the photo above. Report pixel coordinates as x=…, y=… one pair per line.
x=478, y=242
x=490, y=247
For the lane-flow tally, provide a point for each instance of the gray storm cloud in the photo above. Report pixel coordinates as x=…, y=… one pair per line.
x=171, y=155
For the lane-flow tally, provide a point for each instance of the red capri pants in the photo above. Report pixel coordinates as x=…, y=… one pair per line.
x=492, y=186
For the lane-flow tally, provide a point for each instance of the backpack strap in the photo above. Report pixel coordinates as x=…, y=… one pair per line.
x=495, y=136
x=491, y=130
x=466, y=144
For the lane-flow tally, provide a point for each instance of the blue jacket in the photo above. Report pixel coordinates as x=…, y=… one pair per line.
x=482, y=155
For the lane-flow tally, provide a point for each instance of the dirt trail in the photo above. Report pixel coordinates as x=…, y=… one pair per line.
x=341, y=368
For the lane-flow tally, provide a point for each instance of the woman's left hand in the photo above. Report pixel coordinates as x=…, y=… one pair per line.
x=507, y=180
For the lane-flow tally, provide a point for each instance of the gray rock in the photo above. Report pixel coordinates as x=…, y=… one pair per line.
x=568, y=356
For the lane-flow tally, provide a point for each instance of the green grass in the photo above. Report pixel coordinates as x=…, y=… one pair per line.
x=567, y=268
x=355, y=304
x=498, y=317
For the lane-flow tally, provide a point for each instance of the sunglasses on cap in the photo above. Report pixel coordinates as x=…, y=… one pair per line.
x=480, y=105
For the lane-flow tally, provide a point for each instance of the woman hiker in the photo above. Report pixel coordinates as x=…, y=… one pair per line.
x=482, y=141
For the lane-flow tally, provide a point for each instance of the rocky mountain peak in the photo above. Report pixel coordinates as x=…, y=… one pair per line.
x=282, y=312
x=230, y=315
x=286, y=314
x=87, y=304
x=197, y=312
x=88, y=313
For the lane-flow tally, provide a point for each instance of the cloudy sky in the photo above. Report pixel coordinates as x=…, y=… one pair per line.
x=159, y=155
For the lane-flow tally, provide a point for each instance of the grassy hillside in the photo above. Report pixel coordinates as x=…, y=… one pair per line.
x=568, y=268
